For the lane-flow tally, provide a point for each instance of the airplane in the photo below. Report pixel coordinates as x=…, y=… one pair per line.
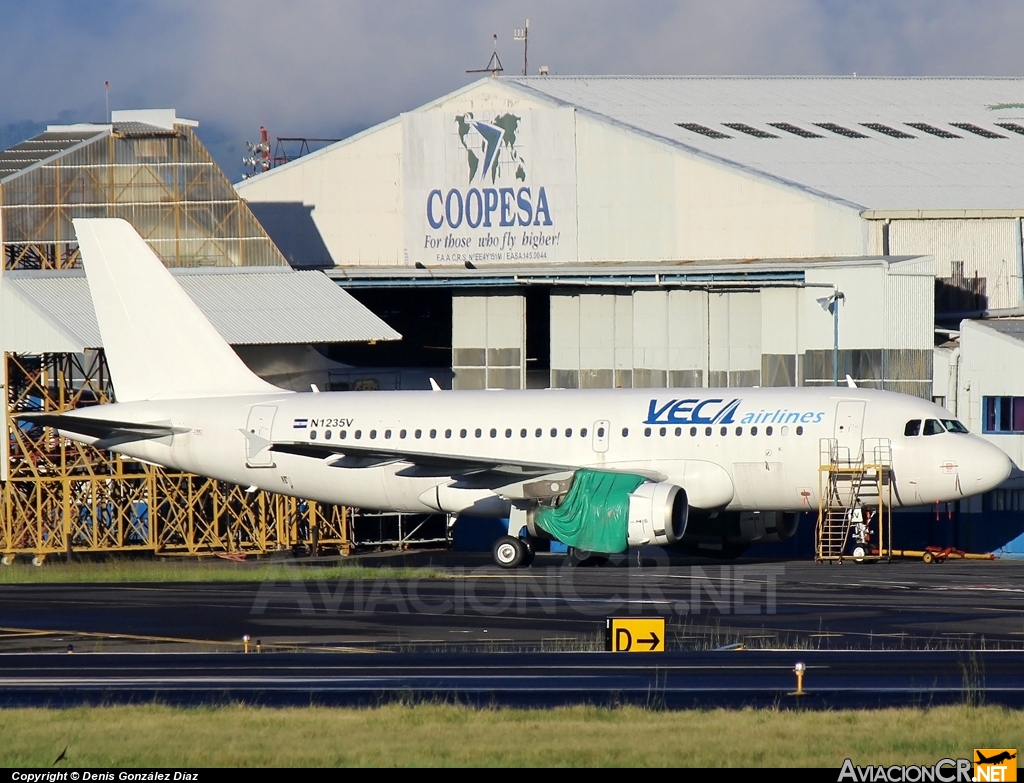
x=996, y=759
x=599, y=470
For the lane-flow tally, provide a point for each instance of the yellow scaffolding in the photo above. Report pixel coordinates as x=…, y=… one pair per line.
x=852, y=478
x=60, y=496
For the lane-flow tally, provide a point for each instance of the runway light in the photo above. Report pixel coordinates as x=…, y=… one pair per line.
x=799, y=670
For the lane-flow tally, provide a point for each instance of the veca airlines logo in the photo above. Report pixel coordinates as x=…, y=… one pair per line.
x=717, y=410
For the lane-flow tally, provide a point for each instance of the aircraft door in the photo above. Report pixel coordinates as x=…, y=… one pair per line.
x=849, y=431
x=257, y=436
x=600, y=441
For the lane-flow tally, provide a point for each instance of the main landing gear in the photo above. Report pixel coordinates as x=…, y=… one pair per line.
x=512, y=552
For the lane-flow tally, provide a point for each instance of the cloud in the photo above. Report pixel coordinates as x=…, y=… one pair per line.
x=304, y=67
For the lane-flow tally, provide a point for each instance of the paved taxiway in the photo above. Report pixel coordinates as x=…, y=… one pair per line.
x=549, y=607
x=733, y=678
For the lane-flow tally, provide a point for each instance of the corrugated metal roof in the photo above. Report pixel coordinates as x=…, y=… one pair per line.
x=131, y=129
x=45, y=145
x=1011, y=327
x=48, y=311
x=961, y=169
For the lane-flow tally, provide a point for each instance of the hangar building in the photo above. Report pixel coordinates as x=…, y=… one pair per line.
x=678, y=231
x=149, y=168
x=605, y=190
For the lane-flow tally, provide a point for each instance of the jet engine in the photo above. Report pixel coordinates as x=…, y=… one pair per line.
x=657, y=514
x=609, y=512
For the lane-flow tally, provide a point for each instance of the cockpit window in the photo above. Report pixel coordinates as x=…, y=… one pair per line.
x=932, y=427
x=952, y=425
x=913, y=428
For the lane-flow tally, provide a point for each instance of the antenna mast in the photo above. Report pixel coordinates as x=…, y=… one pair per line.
x=494, y=64
x=523, y=34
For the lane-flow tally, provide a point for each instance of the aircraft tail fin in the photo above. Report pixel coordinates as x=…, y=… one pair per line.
x=158, y=343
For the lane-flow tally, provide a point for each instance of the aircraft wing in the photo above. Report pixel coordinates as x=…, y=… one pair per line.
x=108, y=433
x=511, y=479
x=421, y=463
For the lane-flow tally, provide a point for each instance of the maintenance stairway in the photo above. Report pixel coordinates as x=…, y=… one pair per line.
x=854, y=498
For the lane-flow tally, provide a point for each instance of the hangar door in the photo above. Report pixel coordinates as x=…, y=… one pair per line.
x=489, y=341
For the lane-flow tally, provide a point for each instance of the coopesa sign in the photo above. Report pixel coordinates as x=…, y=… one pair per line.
x=487, y=207
x=489, y=186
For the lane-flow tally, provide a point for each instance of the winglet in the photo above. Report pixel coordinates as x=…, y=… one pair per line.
x=434, y=386
x=851, y=382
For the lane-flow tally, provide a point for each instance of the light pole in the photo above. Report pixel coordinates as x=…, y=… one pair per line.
x=830, y=304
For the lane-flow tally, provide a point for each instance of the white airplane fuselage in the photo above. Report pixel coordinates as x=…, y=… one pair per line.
x=189, y=403
x=731, y=449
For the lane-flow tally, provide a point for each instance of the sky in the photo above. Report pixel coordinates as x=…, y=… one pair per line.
x=333, y=67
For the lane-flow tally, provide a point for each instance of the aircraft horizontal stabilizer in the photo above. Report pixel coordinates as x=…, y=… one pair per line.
x=108, y=433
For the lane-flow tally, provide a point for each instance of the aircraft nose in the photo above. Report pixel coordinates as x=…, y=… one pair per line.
x=991, y=467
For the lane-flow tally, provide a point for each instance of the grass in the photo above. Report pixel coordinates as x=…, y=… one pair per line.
x=214, y=570
x=445, y=735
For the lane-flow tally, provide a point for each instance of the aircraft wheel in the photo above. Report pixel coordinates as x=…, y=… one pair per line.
x=509, y=552
x=7, y=560
x=859, y=553
x=928, y=557
x=38, y=560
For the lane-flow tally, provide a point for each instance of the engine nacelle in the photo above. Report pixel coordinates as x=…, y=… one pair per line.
x=657, y=514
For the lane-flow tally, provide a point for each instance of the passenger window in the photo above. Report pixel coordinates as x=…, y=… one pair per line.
x=433, y=433
x=359, y=434
x=402, y=434
x=662, y=432
x=494, y=433
x=568, y=432
x=739, y=430
x=932, y=427
x=952, y=425
x=679, y=431
x=448, y=433
x=522, y=433
x=768, y=430
x=583, y=432
x=327, y=435
x=647, y=432
x=554, y=433
x=373, y=434
x=312, y=434
x=784, y=431
x=913, y=428
x=753, y=430
x=419, y=434
x=478, y=432
x=387, y=434
x=707, y=430
x=693, y=432
x=725, y=431
x=800, y=430
x=600, y=432
x=508, y=433
x=625, y=432
x=538, y=433
x=344, y=434
x=464, y=433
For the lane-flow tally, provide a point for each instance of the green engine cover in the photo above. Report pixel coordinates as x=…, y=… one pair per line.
x=595, y=513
